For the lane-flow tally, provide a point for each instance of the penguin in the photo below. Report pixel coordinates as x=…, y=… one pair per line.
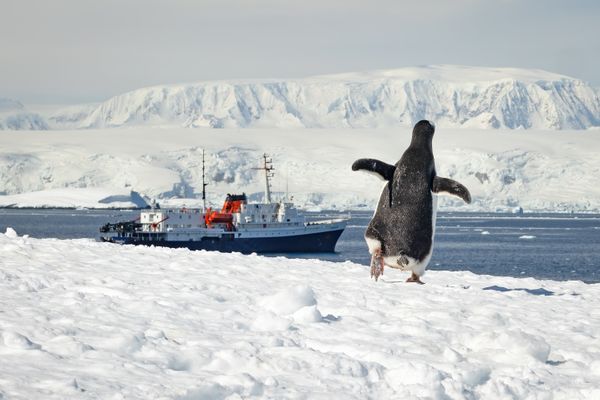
x=400, y=234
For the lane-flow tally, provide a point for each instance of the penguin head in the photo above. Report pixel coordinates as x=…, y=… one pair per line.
x=423, y=132
x=424, y=127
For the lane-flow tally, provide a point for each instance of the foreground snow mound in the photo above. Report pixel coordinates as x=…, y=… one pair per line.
x=451, y=95
x=82, y=319
x=297, y=304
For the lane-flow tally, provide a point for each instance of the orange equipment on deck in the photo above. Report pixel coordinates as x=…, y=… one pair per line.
x=233, y=204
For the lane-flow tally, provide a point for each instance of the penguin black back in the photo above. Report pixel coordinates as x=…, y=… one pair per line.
x=404, y=216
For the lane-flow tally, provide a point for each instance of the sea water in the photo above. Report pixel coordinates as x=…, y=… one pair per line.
x=542, y=246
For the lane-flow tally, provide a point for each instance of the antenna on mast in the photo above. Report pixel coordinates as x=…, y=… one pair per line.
x=268, y=168
x=204, y=184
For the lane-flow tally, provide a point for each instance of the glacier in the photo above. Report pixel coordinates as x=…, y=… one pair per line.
x=504, y=169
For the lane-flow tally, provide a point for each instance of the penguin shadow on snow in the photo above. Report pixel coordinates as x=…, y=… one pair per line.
x=393, y=280
x=535, y=292
x=400, y=234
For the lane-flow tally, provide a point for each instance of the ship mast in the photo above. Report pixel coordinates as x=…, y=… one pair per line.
x=287, y=186
x=268, y=168
x=204, y=184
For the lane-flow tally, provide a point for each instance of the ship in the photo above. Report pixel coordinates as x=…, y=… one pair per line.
x=239, y=226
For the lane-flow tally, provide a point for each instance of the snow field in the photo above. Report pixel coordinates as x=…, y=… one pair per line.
x=81, y=319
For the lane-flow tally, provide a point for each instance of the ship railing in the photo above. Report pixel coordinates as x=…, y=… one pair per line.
x=328, y=221
x=122, y=227
x=184, y=210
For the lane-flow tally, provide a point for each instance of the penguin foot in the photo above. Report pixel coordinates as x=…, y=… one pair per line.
x=376, y=265
x=415, y=278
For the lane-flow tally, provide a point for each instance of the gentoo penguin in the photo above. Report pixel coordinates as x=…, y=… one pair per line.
x=400, y=234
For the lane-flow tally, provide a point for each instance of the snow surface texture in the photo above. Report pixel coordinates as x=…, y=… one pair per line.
x=453, y=96
x=81, y=319
x=504, y=170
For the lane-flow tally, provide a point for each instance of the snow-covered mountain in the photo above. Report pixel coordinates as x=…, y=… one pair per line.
x=452, y=96
x=14, y=116
x=68, y=117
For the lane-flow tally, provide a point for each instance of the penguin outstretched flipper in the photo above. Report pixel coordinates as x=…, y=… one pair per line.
x=383, y=170
x=451, y=187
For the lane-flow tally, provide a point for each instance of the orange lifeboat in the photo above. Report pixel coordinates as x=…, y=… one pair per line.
x=216, y=217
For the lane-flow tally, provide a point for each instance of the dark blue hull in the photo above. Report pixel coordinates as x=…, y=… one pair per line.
x=322, y=242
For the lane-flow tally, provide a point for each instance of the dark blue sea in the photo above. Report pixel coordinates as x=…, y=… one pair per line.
x=543, y=246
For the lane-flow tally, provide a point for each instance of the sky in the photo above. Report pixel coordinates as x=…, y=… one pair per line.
x=78, y=51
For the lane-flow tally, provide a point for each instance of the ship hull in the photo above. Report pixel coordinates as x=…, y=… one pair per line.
x=316, y=242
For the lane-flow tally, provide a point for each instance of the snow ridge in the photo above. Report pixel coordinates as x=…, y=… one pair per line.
x=452, y=96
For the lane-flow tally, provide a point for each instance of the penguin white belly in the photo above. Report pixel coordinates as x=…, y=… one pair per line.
x=416, y=266
x=373, y=244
